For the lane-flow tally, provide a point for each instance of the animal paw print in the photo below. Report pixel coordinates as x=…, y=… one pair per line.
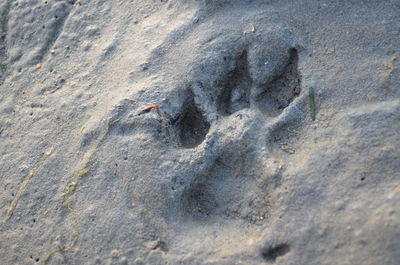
x=230, y=187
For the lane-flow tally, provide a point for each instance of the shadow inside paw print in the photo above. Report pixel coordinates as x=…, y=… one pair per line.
x=271, y=98
x=278, y=94
x=236, y=88
x=192, y=127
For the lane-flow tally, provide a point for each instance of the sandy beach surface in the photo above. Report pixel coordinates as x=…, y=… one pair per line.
x=200, y=132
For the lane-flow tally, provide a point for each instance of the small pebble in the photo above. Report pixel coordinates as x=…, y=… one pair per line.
x=114, y=253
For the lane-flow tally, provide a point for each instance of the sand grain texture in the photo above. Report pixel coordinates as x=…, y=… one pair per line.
x=229, y=165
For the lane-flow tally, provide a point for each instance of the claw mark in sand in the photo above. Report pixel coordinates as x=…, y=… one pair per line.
x=24, y=184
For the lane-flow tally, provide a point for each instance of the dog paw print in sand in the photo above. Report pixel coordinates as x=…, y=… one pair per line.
x=223, y=124
x=215, y=177
x=246, y=102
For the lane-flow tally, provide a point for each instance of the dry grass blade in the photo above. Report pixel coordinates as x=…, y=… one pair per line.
x=313, y=108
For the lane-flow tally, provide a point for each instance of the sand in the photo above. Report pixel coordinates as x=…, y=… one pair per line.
x=182, y=132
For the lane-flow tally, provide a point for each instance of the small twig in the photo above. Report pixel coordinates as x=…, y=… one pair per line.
x=149, y=108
